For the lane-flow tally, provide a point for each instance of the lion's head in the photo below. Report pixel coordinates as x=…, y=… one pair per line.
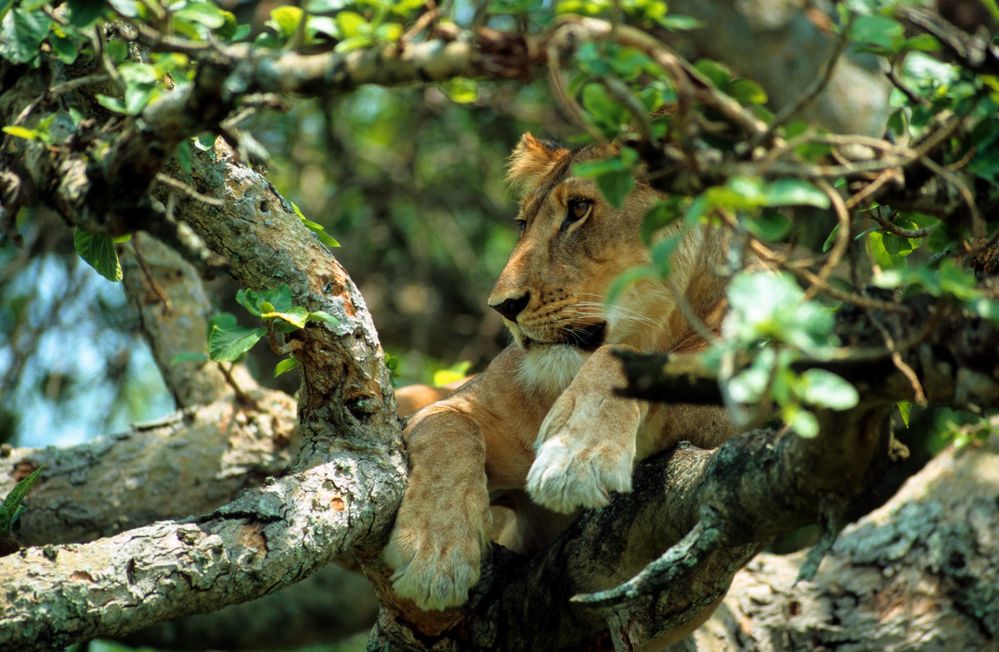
x=573, y=244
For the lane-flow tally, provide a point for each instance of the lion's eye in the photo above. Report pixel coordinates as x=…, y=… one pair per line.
x=579, y=209
x=521, y=225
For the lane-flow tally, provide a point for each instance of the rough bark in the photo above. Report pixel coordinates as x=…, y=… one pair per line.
x=919, y=573
x=327, y=606
x=187, y=463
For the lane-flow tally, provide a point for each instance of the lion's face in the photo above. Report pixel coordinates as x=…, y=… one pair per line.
x=573, y=244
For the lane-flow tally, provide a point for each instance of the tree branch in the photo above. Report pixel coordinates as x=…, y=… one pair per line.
x=919, y=571
x=188, y=463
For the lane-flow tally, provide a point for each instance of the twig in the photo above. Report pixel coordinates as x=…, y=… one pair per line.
x=842, y=236
x=58, y=90
x=562, y=95
x=897, y=82
x=897, y=230
x=241, y=396
x=684, y=556
x=873, y=188
x=188, y=190
x=620, y=92
x=423, y=22
x=813, y=91
x=150, y=279
x=900, y=364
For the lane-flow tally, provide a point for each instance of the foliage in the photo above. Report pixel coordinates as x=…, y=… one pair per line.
x=12, y=506
x=228, y=341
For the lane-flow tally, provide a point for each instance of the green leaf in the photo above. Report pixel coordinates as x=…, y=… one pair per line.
x=879, y=253
x=904, y=411
x=65, y=49
x=20, y=490
x=275, y=303
x=830, y=239
x=451, y=374
x=462, y=90
x=614, y=175
x=922, y=42
x=285, y=20
x=21, y=35
x=21, y=132
x=769, y=225
x=351, y=24
x=316, y=228
x=184, y=158
x=883, y=32
x=16, y=517
x=117, y=50
x=802, y=422
x=826, y=389
x=616, y=186
x=716, y=73
x=324, y=317
x=98, y=251
x=286, y=365
x=137, y=97
x=82, y=13
x=227, y=340
x=111, y=103
x=207, y=14
x=747, y=91
x=794, y=192
x=605, y=111
x=678, y=23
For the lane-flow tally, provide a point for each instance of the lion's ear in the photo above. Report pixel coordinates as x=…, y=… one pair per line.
x=531, y=160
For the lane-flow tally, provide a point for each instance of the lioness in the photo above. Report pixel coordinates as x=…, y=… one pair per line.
x=543, y=416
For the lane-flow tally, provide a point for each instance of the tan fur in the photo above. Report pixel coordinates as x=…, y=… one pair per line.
x=543, y=416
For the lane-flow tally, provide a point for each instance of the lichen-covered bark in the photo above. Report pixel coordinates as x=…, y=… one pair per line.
x=329, y=605
x=919, y=573
x=185, y=464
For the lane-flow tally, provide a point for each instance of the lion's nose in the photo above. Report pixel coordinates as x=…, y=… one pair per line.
x=510, y=308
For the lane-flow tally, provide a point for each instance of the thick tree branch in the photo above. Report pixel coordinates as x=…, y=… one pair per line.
x=329, y=605
x=918, y=573
x=187, y=463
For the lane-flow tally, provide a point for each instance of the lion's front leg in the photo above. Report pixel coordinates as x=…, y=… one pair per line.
x=586, y=444
x=441, y=528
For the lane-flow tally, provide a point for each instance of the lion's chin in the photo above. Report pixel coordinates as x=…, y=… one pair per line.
x=585, y=338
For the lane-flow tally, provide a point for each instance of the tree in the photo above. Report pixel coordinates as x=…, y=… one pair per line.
x=124, y=119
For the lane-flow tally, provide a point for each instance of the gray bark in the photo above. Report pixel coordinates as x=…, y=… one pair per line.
x=188, y=463
x=919, y=573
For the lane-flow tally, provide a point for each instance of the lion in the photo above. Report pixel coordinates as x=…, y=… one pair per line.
x=543, y=417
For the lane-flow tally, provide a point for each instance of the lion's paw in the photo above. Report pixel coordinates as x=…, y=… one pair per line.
x=568, y=474
x=437, y=556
